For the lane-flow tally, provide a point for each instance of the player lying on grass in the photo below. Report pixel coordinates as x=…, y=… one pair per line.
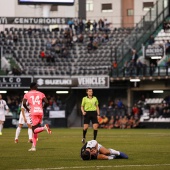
x=93, y=150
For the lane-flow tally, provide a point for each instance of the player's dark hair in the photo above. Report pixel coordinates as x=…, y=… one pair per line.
x=86, y=155
x=88, y=89
x=33, y=85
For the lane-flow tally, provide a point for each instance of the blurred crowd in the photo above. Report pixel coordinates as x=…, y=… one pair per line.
x=116, y=115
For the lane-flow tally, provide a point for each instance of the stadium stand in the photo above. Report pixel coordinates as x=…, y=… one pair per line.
x=26, y=46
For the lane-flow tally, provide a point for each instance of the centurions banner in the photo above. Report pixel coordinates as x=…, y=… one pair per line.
x=33, y=20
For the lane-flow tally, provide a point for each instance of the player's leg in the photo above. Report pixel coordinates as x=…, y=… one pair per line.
x=95, y=124
x=17, y=133
x=85, y=126
x=34, y=137
x=95, y=130
x=38, y=120
x=2, y=120
x=18, y=130
x=36, y=128
x=118, y=154
x=1, y=126
x=30, y=134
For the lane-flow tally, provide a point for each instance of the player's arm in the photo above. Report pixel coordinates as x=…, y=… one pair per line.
x=23, y=114
x=97, y=107
x=45, y=102
x=25, y=105
x=82, y=107
x=98, y=110
x=104, y=157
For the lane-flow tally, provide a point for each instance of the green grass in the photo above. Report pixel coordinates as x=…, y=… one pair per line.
x=147, y=149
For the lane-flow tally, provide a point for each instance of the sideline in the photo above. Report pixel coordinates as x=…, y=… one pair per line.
x=86, y=167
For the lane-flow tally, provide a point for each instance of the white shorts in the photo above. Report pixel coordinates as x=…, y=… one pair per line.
x=21, y=119
x=99, y=146
x=2, y=117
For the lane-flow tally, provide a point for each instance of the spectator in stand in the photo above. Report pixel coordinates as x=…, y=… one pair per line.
x=167, y=47
x=166, y=26
x=101, y=25
x=119, y=104
x=134, y=58
x=71, y=23
x=88, y=25
x=55, y=106
x=151, y=40
x=94, y=26
x=114, y=64
x=110, y=112
x=80, y=38
x=135, y=122
x=42, y=54
x=135, y=111
x=57, y=49
x=89, y=47
x=76, y=28
x=75, y=38
x=110, y=124
x=103, y=111
x=29, y=31
x=15, y=38
x=9, y=39
x=106, y=26
x=95, y=45
x=91, y=38
x=130, y=122
x=64, y=51
x=105, y=38
x=81, y=25
x=16, y=71
x=48, y=44
x=53, y=42
x=124, y=122
x=49, y=57
x=117, y=122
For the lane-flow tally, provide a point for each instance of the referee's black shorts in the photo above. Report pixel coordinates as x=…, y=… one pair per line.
x=90, y=116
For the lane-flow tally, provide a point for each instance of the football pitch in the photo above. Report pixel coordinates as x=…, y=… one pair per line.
x=147, y=149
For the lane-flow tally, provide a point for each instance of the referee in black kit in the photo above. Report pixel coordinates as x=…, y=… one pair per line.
x=90, y=111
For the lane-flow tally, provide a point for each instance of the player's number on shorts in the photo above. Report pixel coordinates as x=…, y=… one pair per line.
x=35, y=100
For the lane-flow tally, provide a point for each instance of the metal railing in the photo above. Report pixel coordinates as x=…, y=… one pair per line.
x=143, y=30
x=145, y=71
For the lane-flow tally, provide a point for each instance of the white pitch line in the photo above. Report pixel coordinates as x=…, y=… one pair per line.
x=86, y=167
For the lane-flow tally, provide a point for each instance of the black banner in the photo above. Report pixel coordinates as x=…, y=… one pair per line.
x=73, y=82
x=7, y=82
x=0, y=55
x=152, y=51
x=33, y=20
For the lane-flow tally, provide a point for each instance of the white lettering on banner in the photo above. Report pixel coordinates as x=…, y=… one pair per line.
x=4, y=80
x=38, y=20
x=11, y=80
x=91, y=81
x=58, y=81
x=3, y=20
x=18, y=80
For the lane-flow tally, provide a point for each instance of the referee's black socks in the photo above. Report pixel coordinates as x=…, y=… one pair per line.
x=95, y=134
x=84, y=133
